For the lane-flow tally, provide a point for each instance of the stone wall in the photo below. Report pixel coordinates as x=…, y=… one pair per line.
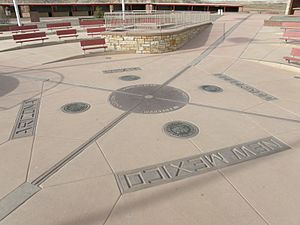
x=152, y=42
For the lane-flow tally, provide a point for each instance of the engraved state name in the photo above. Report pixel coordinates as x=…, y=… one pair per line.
x=122, y=70
x=246, y=87
x=178, y=169
x=26, y=121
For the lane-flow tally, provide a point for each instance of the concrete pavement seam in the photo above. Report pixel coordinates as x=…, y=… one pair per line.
x=244, y=198
x=111, y=211
x=35, y=131
x=44, y=176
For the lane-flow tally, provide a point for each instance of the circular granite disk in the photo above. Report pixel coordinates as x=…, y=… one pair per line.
x=149, y=98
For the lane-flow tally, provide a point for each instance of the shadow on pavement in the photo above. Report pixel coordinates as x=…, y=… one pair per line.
x=8, y=84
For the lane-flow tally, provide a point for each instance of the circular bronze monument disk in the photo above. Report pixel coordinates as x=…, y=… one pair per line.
x=75, y=107
x=149, y=98
x=129, y=78
x=181, y=129
x=211, y=88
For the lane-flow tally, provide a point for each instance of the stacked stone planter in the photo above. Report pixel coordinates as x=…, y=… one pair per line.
x=145, y=42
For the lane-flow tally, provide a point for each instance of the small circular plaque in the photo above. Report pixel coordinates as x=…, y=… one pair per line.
x=181, y=129
x=211, y=88
x=75, y=107
x=129, y=78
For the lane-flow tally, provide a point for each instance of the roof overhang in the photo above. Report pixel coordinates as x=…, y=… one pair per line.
x=130, y=3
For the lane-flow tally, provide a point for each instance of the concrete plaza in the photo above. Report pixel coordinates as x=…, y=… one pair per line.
x=68, y=168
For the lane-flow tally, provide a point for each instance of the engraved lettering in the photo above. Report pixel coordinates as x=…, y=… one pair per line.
x=180, y=168
x=26, y=119
x=198, y=163
x=155, y=171
x=166, y=171
x=269, y=98
x=134, y=179
x=226, y=79
x=25, y=130
x=27, y=116
x=121, y=70
x=218, y=156
x=25, y=123
x=29, y=104
x=30, y=109
x=242, y=152
x=271, y=144
x=262, y=95
x=258, y=148
x=246, y=87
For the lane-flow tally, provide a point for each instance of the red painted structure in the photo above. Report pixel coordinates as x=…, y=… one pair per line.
x=92, y=44
x=91, y=23
x=37, y=36
x=53, y=26
x=295, y=56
